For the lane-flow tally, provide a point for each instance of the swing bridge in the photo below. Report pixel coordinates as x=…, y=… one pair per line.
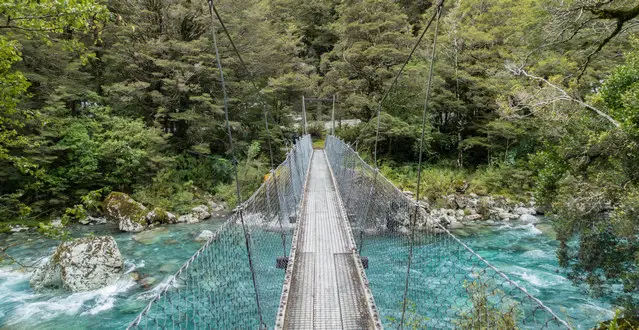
x=327, y=242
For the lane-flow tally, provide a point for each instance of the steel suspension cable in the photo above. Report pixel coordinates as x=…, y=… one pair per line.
x=241, y=59
x=419, y=40
x=379, y=111
x=399, y=73
x=419, y=166
x=265, y=110
x=233, y=154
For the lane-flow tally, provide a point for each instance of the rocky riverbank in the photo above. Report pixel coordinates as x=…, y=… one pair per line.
x=132, y=216
x=460, y=209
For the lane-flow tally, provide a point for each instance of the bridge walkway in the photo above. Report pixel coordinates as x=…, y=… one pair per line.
x=325, y=285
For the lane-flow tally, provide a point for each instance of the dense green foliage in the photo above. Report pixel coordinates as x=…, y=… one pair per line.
x=527, y=96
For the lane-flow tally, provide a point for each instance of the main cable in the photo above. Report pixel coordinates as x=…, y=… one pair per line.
x=239, y=56
x=265, y=110
x=399, y=73
x=247, y=239
x=419, y=166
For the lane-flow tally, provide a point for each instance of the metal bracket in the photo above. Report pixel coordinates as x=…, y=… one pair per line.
x=281, y=262
x=364, y=261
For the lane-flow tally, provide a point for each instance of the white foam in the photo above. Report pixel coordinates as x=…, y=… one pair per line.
x=538, y=278
x=79, y=303
x=533, y=279
x=12, y=277
x=536, y=254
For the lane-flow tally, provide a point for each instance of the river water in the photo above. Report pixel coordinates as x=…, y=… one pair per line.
x=525, y=252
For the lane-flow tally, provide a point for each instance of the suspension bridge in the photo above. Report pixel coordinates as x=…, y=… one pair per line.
x=294, y=256
x=326, y=242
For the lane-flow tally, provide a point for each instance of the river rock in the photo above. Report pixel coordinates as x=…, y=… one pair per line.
x=160, y=216
x=18, y=228
x=130, y=215
x=507, y=216
x=56, y=223
x=472, y=217
x=524, y=210
x=89, y=220
x=204, y=236
x=188, y=218
x=83, y=264
x=201, y=212
x=215, y=207
x=528, y=218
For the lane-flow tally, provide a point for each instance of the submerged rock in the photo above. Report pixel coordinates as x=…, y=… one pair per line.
x=152, y=236
x=131, y=215
x=83, y=264
x=204, y=236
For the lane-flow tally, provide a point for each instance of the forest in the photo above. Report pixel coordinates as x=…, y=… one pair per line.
x=529, y=98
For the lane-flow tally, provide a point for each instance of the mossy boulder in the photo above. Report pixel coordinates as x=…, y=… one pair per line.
x=160, y=216
x=130, y=215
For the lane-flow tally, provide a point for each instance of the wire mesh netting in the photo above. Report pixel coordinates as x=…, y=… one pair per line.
x=232, y=281
x=421, y=275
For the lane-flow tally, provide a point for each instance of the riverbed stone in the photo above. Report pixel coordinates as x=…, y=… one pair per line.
x=83, y=264
x=57, y=223
x=130, y=215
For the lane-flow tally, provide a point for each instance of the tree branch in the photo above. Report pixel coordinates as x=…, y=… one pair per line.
x=4, y=254
x=620, y=15
x=521, y=72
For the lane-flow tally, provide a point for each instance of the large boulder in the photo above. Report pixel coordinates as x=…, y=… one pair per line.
x=83, y=264
x=130, y=215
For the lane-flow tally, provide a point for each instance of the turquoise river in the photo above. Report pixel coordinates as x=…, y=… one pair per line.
x=525, y=252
